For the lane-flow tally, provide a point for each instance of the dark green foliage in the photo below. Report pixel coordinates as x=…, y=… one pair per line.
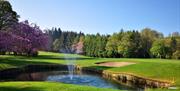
x=131, y=44
x=159, y=49
x=113, y=43
x=62, y=41
x=176, y=54
x=94, y=45
x=148, y=36
x=125, y=44
x=7, y=16
x=174, y=43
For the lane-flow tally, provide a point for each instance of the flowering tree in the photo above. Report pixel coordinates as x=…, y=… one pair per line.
x=23, y=39
x=5, y=42
x=78, y=47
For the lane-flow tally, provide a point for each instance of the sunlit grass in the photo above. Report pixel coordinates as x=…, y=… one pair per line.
x=46, y=86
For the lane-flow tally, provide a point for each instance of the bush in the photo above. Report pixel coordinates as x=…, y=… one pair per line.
x=33, y=52
x=176, y=55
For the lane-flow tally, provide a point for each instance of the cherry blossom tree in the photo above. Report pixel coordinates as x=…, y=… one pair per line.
x=23, y=39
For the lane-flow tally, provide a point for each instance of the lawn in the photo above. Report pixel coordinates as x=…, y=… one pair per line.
x=160, y=69
x=46, y=86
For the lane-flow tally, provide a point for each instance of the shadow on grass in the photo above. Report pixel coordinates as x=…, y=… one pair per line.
x=101, y=67
x=9, y=88
x=22, y=60
x=96, y=69
x=52, y=57
x=16, y=61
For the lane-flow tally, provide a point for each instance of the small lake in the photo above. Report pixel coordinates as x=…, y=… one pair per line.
x=79, y=78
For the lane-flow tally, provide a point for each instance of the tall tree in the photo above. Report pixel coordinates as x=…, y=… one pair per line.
x=130, y=44
x=148, y=37
x=7, y=16
x=113, y=43
x=159, y=49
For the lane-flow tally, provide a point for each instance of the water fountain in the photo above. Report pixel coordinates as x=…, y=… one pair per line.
x=71, y=65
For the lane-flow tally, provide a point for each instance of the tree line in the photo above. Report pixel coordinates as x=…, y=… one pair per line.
x=128, y=44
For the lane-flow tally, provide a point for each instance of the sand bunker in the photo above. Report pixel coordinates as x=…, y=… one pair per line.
x=114, y=64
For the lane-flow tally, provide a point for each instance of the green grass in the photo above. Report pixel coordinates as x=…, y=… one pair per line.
x=160, y=69
x=46, y=86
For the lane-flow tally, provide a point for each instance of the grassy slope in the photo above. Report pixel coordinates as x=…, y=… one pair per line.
x=161, y=69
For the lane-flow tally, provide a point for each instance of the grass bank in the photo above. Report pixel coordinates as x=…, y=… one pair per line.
x=46, y=86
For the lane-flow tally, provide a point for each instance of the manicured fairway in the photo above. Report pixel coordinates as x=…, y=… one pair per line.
x=159, y=69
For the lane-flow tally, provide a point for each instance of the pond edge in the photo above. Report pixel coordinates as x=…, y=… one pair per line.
x=123, y=78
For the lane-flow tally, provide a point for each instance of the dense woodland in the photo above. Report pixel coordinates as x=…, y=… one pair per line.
x=22, y=38
x=129, y=44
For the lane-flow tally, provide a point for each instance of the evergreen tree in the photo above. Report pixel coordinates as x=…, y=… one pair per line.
x=8, y=17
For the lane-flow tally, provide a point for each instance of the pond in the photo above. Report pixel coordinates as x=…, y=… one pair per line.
x=79, y=78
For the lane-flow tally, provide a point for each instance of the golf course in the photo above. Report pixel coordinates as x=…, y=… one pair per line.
x=89, y=45
x=157, y=69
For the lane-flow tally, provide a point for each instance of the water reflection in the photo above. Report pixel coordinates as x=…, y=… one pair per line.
x=63, y=76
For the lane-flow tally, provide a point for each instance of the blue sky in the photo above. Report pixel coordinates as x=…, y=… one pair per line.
x=103, y=16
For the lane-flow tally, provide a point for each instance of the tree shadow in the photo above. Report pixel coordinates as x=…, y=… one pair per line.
x=101, y=67
x=10, y=88
x=95, y=69
x=52, y=57
x=19, y=61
